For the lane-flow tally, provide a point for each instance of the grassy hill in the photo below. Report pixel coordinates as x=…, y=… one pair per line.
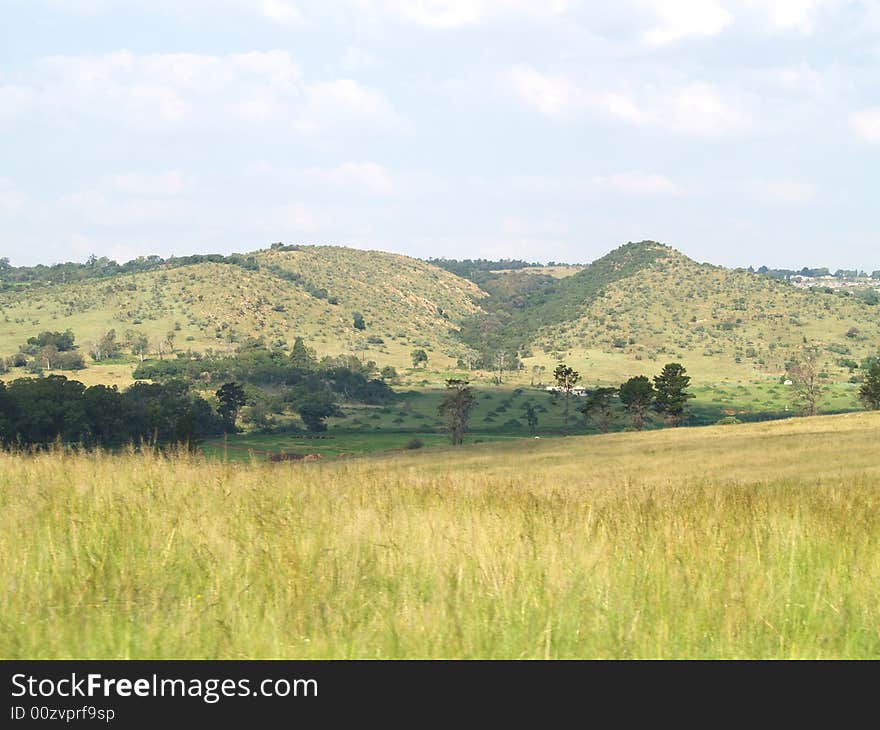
x=627, y=313
x=647, y=304
x=748, y=541
x=311, y=292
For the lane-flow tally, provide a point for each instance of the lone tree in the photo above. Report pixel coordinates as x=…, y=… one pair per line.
x=314, y=407
x=804, y=375
x=598, y=408
x=389, y=374
x=456, y=407
x=419, y=357
x=671, y=396
x=566, y=378
x=300, y=357
x=232, y=398
x=531, y=417
x=869, y=393
x=140, y=346
x=637, y=395
x=358, y=321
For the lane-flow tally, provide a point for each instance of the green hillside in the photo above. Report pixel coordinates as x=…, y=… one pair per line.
x=312, y=292
x=649, y=304
x=627, y=313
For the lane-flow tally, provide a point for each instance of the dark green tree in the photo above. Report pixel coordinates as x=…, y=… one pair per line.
x=599, y=408
x=314, y=407
x=869, y=392
x=300, y=357
x=419, y=357
x=358, y=321
x=61, y=341
x=637, y=395
x=231, y=397
x=671, y=396
x=531, y=417
x=566, y=378
x=456, y=407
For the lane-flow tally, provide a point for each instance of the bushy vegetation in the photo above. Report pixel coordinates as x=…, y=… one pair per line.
x=521, y=306
x=39, y=411
x=263, y=365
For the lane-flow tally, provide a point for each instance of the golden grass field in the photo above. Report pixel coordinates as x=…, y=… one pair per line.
x=744, y=541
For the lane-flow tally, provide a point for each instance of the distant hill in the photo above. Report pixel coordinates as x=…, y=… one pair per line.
x=647, y=304
x=308, y=291
x=629, y=311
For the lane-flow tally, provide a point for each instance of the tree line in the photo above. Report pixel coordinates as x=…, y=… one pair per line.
x=39, y=411
x=666, y=395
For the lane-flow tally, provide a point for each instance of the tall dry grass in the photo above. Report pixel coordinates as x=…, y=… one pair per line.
x=745, y=541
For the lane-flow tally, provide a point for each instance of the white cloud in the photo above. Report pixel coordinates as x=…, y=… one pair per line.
x=553, y=96
x=866, y=125
x=356, y=59
x=453, y=14
x=700, y=108
x=11, y=198
x=348, y=177
x=291, y=218
x=99, y=209
x=189, y=91
x=368, y=176
x=547, y=226
x=161, y=184
x=789, y=192
x=282, y=12
x=15, y=101
x=640, y=183
x=695, y=108
x=680, y=19
x=332, y=104
x=792, y=15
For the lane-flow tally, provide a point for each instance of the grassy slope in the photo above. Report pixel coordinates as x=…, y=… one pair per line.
x=745, y=541
x=731, y=329
x=723, y=325
x=219, y=304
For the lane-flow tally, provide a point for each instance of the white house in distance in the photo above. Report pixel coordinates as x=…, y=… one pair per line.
x=578, y=390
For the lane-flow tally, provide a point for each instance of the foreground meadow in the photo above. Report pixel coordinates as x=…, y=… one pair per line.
x=759, y=540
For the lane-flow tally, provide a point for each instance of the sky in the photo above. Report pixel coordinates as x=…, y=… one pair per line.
x=741, y=132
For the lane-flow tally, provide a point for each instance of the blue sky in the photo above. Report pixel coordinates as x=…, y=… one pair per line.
x=739, y=131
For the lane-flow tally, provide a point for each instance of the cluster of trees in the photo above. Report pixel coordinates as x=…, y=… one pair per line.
x=477, y=269
x=258, y=382
x=277, y=380
x=39, y=411
x=666, y=395
x=49, y=351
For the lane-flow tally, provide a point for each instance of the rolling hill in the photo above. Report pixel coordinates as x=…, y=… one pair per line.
x=628, y=312
x=646, y=304
x=279, y=294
